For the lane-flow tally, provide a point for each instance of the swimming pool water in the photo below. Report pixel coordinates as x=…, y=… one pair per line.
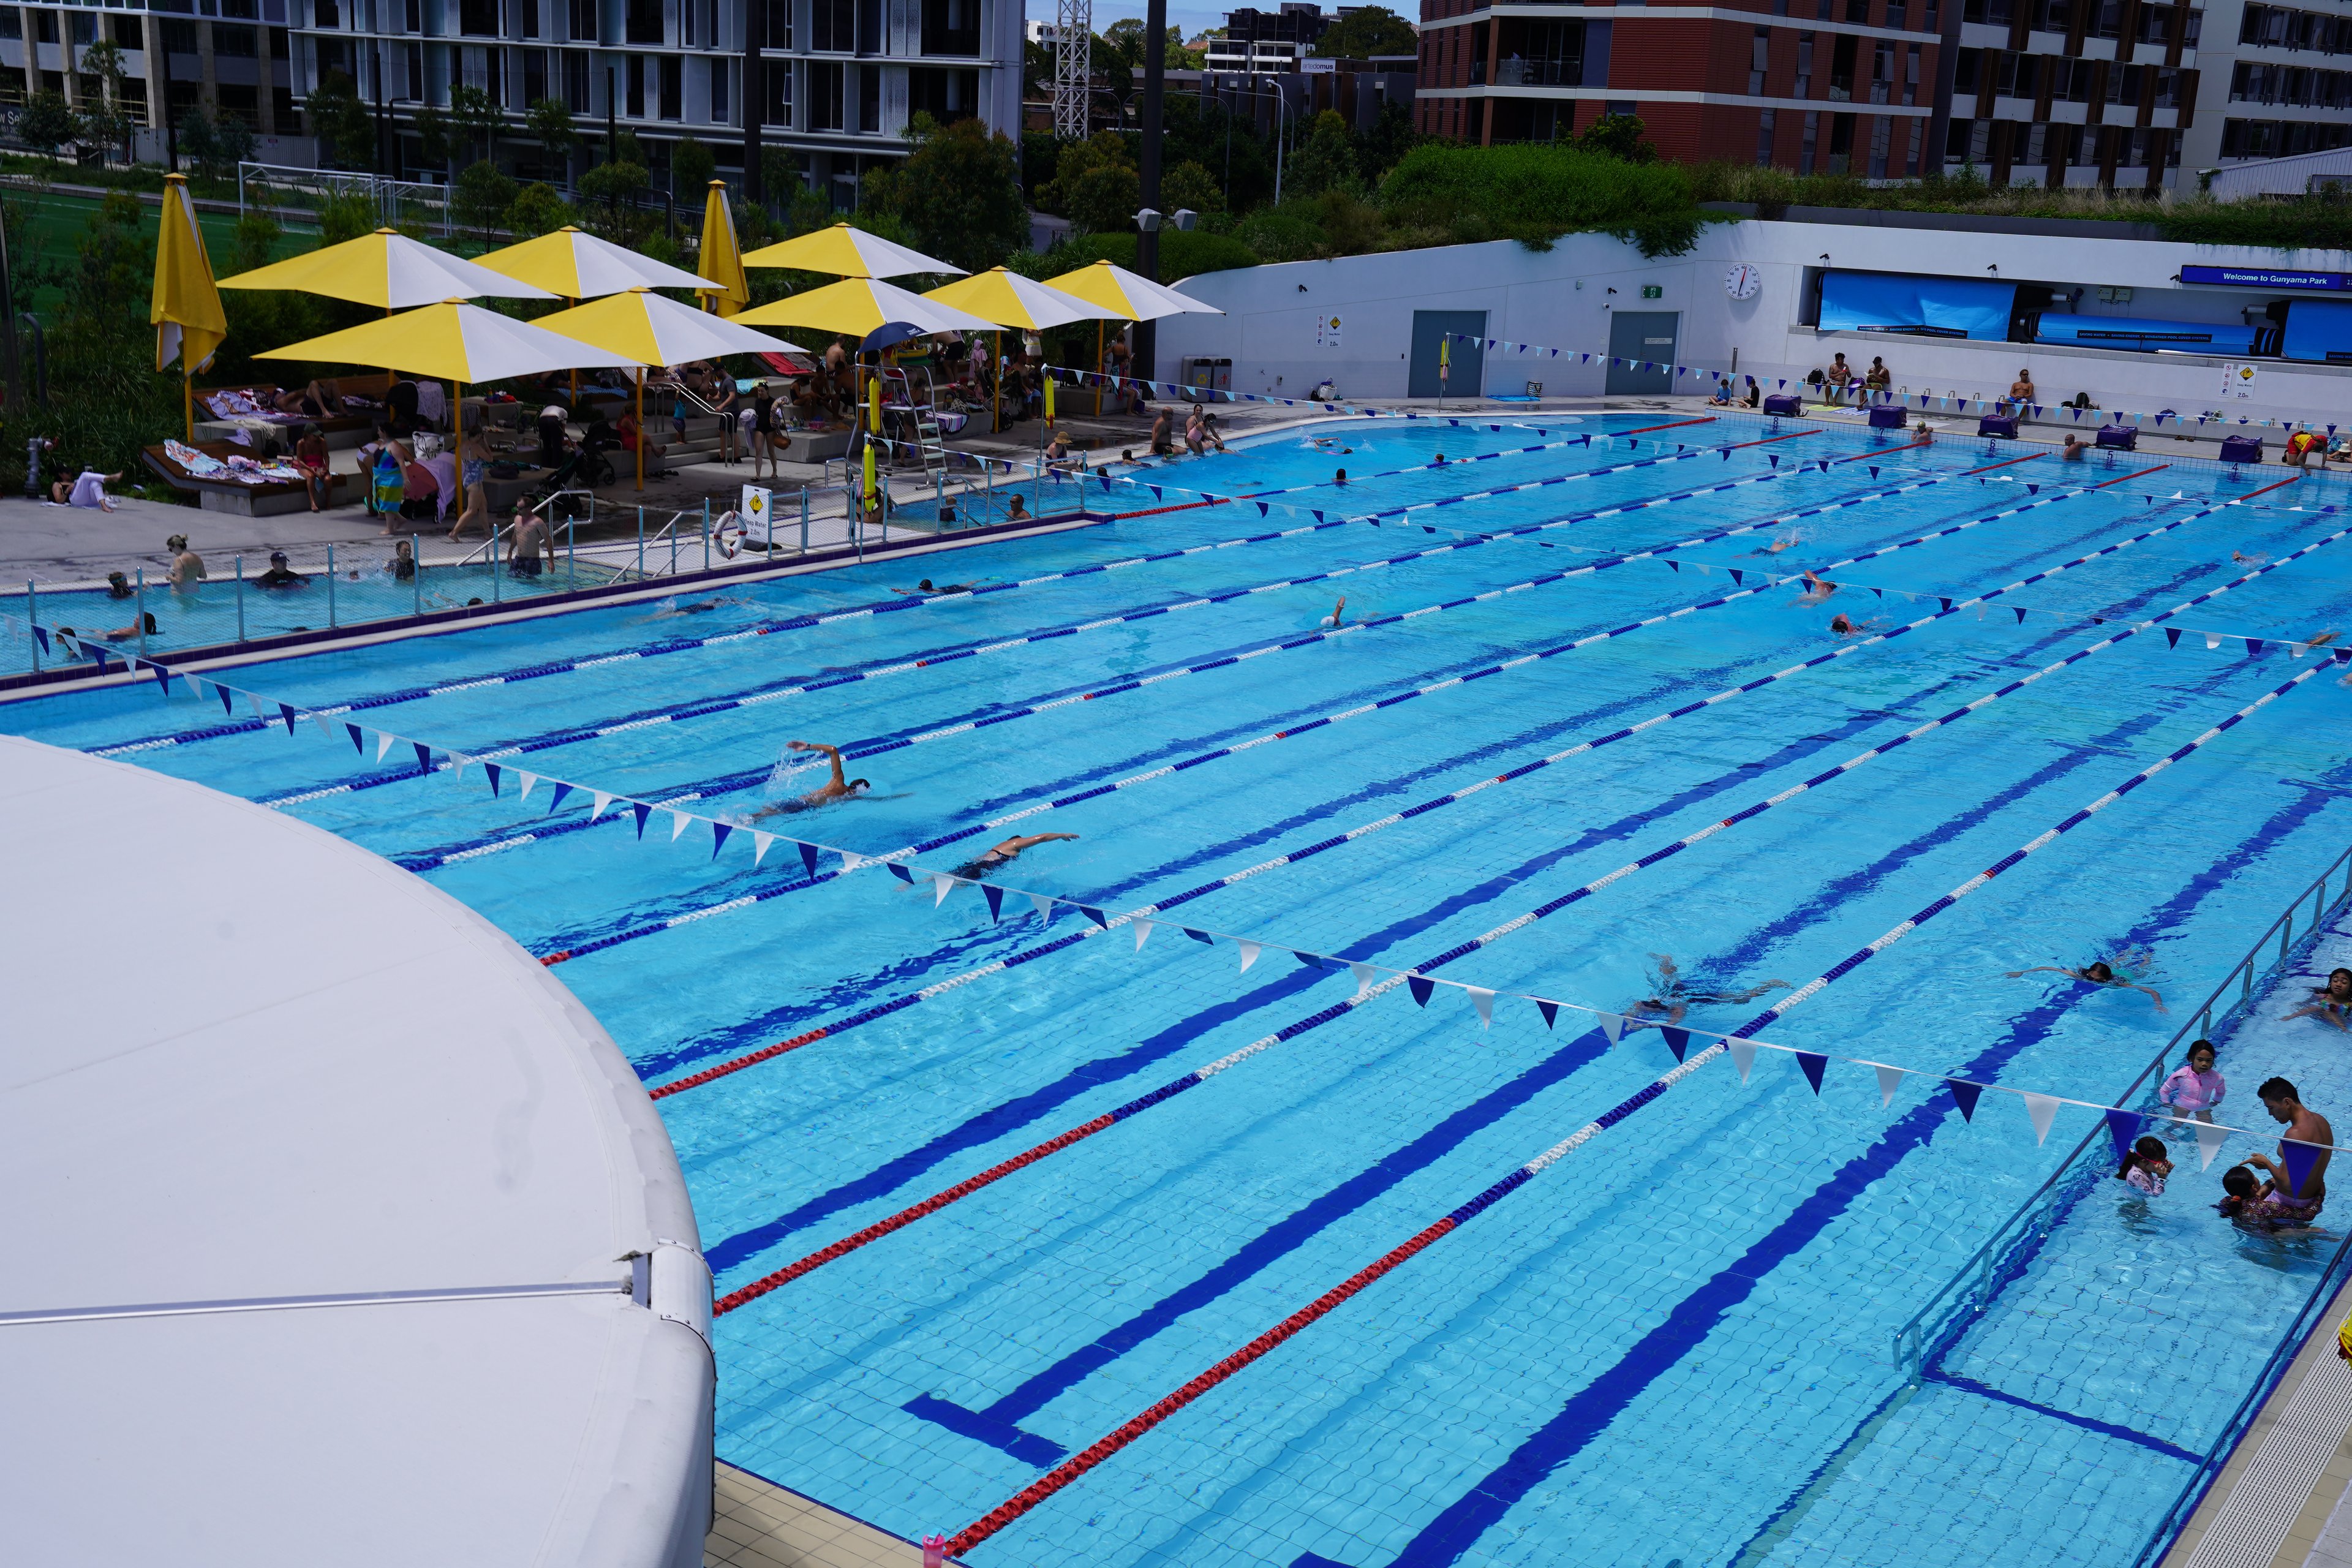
x=1671, y=1344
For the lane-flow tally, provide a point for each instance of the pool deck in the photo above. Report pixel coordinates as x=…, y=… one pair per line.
x=758, y=1524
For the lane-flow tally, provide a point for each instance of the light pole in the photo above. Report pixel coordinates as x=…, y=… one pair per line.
x=1282, y=119
x=1147, y=240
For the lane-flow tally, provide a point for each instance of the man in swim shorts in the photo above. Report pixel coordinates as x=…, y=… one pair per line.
x=2286, y=1203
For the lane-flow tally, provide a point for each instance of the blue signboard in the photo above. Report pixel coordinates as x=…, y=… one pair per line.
x=2266, y=278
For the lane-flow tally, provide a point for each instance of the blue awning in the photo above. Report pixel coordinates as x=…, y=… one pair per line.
x=1925, y=307
x=2318, y=330
x=2146, y=336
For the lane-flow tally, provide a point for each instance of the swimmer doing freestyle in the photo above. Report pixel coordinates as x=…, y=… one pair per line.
x=1669, y=994
x=2137, y=959
x=833, y=789
x=1005, y=853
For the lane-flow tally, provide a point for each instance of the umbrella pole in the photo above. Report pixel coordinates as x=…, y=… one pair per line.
x=996, y=387
x=1099, y=364
x=641, y=427
x=457, y=413
x=188, y=406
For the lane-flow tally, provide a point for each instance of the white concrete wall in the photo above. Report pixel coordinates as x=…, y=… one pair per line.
x=1562, y=298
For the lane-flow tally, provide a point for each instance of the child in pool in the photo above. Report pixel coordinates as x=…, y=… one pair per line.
x=2332, y=1001
x=2240, y=1189
x=2146, y=1167
x=2194, y=1090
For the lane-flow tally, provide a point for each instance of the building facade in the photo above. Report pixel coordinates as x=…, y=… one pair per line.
x=836, y=81
x=2077, y=92
x=1269, y=42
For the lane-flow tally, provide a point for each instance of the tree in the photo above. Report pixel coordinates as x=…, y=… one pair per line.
x=1190, y=185
x=959, y=193
x=1324, y=161
x=342, y=121
x=105, y=123
x=1095, y=184
x=606, y=187
x=1367, y=31
x=433, y=132
x=691, y=170
x=215, y=146
x=551, y=128
x=481, y=197
x=46, y=123
x=1617, y=136
x=537, y=210
x=476, y=116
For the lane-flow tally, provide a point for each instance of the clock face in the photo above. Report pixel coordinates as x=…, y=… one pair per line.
x=1742, y=281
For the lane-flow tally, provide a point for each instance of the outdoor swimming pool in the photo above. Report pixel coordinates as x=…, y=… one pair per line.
x=1674, y=1343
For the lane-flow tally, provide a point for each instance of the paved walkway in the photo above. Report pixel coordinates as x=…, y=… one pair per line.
x=758, y=1524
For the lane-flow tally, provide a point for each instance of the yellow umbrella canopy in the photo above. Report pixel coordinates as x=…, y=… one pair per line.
x=846, y=252
x=721, y=258
x=579, y=266
x=454, y=341
x=1126, y=296
x=653, y=329
x=864, y=306
x=1009, y=299
x=388, y=270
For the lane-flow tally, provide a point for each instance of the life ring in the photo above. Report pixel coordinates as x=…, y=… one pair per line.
x=728, y=534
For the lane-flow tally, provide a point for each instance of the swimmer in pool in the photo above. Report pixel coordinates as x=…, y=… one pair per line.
x=2244, y=559
x=1340, y=477
x=1817, y=590
x=1839, y=625
x=2319, y=639
x=1005, y=853
x=699, y=607
x=1777, y=545
x=924, y=589
x=2332, y=1001
x=2104, y=973
x=1671, y=997
x=1330, y=623
x=833, y=789
x=1438, y=461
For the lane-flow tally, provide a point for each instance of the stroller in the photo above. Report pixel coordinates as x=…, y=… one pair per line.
x=586, y=469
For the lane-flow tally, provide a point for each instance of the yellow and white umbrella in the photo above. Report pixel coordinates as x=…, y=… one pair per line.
x=864, y=306
x=653, y=329
x=389, y=270
x=577, y=265
x=455, y=342
x=721, y=258
x=1128, y=296
x=1012, y=300
x=846, y=252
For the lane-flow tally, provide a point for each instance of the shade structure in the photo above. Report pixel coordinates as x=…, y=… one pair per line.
x=721, y=259
x=863, y=306
x=1126, y=296
x=847, y=252
x=653, y=329
x=455, y=342
x=1009, y=299
x=389, y=270
x=577, y=265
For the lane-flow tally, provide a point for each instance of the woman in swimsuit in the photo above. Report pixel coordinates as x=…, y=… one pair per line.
x=1669, y=994
x=2332, y=1001
x=1003, y=855
x=2103, y=973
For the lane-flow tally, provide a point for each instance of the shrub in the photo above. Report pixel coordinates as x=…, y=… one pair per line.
x=1535, y=193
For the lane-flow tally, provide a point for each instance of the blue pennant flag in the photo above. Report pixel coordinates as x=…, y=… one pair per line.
x=284, y=711
x=1420, y=989
x=1878, y=593
x=1964, y=1094
x=901, y=872
x=718, y=832
x=2033, y=490
x=643, y=812
x=354, y=732
x=2124, y=1127
x=1204, y=938
x=1155, y=491
x=1774, y=458
x=1095, y=915
x=2254, y=647
x=492, y=769
x=808, y=858
x=2172, y=634
x=1946, y=602
x=162, y=677
x=1677, y=1041
x=2298, y=1159
x=2019, y=613
x=1739, y=578
x=1874, y=470
x=1260, y=509
x=557, y=798
x=995, y=896
x=1550, y=1010
x=41, y=635
x=1814, y=1064
x=1319, y=516
x=424, y=756
x=1673, y=564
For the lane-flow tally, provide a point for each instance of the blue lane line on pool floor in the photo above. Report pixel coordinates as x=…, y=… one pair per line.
x=2088, y=1423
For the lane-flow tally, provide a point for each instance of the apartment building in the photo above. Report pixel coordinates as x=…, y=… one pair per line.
x=2078, y=92
x=1255, y=42
x=2286, y=88
x=835, y=80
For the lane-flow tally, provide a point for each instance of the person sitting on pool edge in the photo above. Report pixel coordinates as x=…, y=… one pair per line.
x=833, y=789
x=1005, y=853
x=2287, y=1202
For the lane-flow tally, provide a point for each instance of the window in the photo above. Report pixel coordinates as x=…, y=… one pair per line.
x=415, y=16
x=1841, y=143
x=949, y=27
x=325, y=14
x=869, y=98
x=1764, y=128
x=237, y=43
x=944, y=94
x=582, y=28
x=578, y=90
x=780, y=92
x=1841, y=61
x=479, y=18
x=1898, y=15
x=1965, y=68
x=1858, y=11
x=416, y=77
x=534, y=75
x=1812, y=132
x=1918, y=134
x=635, y=105
x=1882, y=72
x=825, y=93
x=1759, y=59
x=673, y=93
x=1804, y=88
x=529, y=14
x=780, y=24
x=644, y=18
x=833, y=30
x=1911, y=74
x=1881, y=129
x=718, y=72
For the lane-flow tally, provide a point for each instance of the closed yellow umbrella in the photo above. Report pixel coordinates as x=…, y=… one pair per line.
x=721, y=258
x=847, y=252
x=186, y=310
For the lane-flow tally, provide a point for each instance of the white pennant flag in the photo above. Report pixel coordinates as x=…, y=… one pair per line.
x=1613, y=1026
x=1743, y=1056
x=850, y=862
x=2210, y=1140
x=1889, y=1080
x=196, y=689
x=678, y=821
x=527, y=781
x=1485, y=1002
x=1044, y=905
x=383, y=738
x=457, y=760
x=326, y=725
x=1363, y=973
x=1248, y=952
x=941, y=886
x=2294, y=650
x=2212, y=641
x=1142, y=933
x=257, y=713
x=759, y=842
x=2042, y=1109
x=603, y=801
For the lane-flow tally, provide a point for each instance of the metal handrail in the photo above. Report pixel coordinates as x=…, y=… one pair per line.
x=1980, y=1263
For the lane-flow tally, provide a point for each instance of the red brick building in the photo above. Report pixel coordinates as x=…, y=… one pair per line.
x=1828, y=86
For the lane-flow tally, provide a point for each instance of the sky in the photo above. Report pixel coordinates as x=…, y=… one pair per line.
x=1194, y=19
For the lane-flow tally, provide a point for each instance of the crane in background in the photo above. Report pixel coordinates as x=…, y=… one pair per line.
x=1073, y=66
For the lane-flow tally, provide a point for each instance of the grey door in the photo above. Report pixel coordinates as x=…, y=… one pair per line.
x=1467, y=360
x=1643, y=338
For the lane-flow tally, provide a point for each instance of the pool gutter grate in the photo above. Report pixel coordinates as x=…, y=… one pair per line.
x=2253, y=1519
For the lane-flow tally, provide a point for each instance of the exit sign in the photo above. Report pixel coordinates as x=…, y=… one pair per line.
x=1653, y=291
